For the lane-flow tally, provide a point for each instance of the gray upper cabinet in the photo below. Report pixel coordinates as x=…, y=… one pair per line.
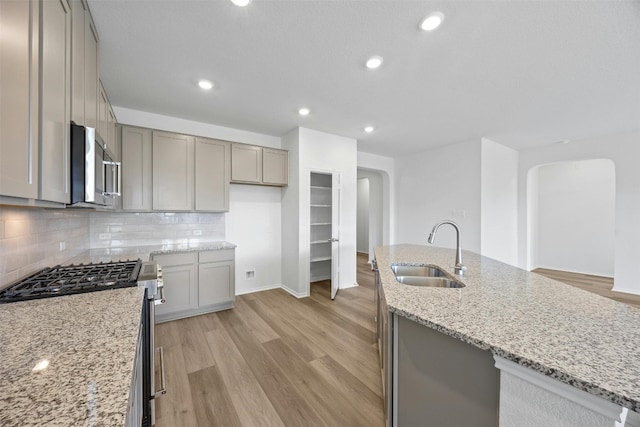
x=19, y=100
x=91, y=79
x=55, y=73
x=213, y=172
x=136, y=168
x=78, y=11
x=259, y=165
x=246, y=164
x=173, y=173
x=102, y=128
x=275, y=166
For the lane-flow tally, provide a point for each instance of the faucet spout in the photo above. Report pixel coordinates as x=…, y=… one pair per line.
x=459, y=268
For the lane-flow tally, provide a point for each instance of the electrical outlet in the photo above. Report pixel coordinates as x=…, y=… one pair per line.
x=197, y=232
x=459, y=213
x=63, y=246
x=251, y=274
x=104, y=236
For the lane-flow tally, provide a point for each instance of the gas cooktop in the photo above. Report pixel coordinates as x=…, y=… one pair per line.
x=73, y=279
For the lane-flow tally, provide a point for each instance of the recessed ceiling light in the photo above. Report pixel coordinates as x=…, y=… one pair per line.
x=241, y=3
x=369, y=129
x=374, y=62
x=205, y=84
x=432, y=21
x=304, y=111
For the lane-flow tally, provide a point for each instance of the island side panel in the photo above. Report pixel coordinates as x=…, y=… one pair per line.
x=443, y=381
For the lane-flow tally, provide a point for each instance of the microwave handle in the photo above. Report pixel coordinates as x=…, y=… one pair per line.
x=116, y=178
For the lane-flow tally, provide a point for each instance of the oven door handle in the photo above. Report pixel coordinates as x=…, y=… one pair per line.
x=163, y=387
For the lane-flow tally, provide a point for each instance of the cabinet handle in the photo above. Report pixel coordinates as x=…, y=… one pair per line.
x=332, y=240
x=163, y=387
x=160, y=300
x=116, y=178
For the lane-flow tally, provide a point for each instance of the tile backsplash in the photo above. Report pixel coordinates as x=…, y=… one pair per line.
x=34, y=238
x=125, y=229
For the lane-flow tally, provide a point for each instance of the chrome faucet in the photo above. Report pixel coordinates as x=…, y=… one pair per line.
x=459, y=268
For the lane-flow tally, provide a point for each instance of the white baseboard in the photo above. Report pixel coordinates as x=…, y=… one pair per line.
x=625, y=291
x=347, y=286
x=294, y=293
x=259, y=289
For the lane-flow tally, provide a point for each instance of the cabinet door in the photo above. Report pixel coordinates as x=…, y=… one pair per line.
x=212, y=175
x=246, y=163
x=112, y=134
x=216, y=283
x=180, y=276
x=103, y=115
x=78, y=10
x=136, y=168
x=90, y=73
x=18, y=99
x=275, y=167
x=173, y=159
x=55, y=72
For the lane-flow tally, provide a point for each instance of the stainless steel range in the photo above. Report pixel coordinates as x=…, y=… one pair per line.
x=66, y=280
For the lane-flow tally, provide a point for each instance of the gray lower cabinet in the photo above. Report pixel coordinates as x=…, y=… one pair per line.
x=441, y=379
x=196, y=283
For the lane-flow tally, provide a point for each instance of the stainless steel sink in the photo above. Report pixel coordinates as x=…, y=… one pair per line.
x=413, y=270
x=434, y=282
x=424, y=275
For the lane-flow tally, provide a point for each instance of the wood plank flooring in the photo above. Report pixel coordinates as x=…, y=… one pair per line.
x=588, y=282
x=275, y=360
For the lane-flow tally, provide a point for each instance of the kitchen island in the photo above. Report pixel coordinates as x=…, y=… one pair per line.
x=573, y=337
x=89, y=343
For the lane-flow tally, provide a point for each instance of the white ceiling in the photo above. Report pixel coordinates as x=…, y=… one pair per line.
x=523, y=73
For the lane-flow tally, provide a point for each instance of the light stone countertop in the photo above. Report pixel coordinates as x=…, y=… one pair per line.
x=144, y=252
x=90, y=342
x=579, y=338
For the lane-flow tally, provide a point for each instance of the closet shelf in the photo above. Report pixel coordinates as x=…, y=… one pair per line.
x=319, y=259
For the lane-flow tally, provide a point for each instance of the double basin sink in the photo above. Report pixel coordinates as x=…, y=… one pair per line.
x=424, y=275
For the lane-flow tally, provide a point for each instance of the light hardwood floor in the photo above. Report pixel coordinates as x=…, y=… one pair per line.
x=275, y=360
x=596, y=284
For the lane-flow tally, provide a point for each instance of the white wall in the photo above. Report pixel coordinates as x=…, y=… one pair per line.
x=499, y=202
x=253, y=223
x=254, y=218
x=442, y=183
x=363, y=215
x=624, y=151
x=576, y=217
x=322, y=152
x=383, y=171
x=291, y=259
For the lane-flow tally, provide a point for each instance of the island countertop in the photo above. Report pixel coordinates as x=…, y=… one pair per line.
x=579, y=338
x=89, y=341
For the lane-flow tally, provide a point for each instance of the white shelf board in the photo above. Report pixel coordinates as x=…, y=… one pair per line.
x=317, y=187
x=320, y=223
x=316, y=242
x=320, y=206
x=320, y=259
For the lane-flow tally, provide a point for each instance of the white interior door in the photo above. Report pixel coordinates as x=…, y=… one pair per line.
x=335, y=233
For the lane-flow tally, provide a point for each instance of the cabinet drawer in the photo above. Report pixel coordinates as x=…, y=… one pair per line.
x=219, y=255
x=166, y=260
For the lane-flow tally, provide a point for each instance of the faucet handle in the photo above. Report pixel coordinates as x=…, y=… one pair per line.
x=459, y=269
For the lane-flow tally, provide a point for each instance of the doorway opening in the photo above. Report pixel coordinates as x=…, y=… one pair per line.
x=571, y=217
x=372, y=222
x=324, y=227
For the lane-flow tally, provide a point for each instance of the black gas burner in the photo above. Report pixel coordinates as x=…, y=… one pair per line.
x=73, y=279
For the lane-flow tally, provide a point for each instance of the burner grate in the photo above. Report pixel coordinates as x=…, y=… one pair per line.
x=73, y=279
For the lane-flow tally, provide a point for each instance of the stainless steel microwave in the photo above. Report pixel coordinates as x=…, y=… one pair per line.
x=95, y=177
